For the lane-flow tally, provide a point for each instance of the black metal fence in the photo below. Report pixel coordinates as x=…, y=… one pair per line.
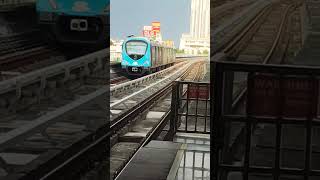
x=277, y=134
x=190, y=107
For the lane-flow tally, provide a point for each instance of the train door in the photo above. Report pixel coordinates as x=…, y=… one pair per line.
x=160, y=57
x=164, y=56
x=157, y=57
x=168, y=56
x=153, y=55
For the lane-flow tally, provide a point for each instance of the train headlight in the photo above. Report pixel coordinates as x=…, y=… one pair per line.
x=146, y=63
x=53, y=4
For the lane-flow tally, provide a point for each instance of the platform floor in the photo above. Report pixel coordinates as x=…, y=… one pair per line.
x=187, y=157
x=194, y=162
x=152, y=162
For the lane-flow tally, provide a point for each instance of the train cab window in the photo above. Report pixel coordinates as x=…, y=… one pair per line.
x=136, y=49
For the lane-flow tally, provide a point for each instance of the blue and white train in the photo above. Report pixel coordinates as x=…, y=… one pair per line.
x=140, y=56
x=75, y=21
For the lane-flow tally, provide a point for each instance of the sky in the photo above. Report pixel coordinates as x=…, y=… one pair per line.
x=129, y=16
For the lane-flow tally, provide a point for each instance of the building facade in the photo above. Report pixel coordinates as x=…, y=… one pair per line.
x=198, y=40
x=115, y=51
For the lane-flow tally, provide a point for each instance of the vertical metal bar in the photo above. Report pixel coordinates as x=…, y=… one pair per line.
x=308, y=148
x=206, y=111
x=174, y=108
x=193, y=163
x=312, y=114
x=197, y=103
x=228, y=91
x=227, y=95
x=280, y=104
x=184, y=164
x=276, y=172
x=173, y=119
x=202, y=164
x=177, y=102
x=248, y=130
x=187, y=106
x=215, y=127
x=247, y=151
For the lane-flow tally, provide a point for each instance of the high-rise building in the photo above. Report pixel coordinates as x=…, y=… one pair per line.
x=198, y=40
x=200, y=19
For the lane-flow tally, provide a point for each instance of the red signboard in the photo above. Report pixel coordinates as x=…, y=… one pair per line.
x=287, y=97
x=147, y=33
x=156, y=26
x=198, y=91
x=299, y=96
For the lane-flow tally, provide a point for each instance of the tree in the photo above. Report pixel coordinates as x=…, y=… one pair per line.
x=180, y=51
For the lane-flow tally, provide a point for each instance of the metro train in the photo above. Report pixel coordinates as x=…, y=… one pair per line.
x=84, y=22
x=143, y=56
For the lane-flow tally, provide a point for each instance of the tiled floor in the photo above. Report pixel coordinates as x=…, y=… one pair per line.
x=195, y=158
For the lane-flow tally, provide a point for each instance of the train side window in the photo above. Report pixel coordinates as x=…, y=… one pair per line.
x=153, y=53
x=157, y=52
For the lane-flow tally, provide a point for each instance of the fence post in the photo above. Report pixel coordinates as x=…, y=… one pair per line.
x=174, y=110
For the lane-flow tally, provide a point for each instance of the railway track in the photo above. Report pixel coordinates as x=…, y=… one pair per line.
x=116, y=76
x=264, y=40
x=26, y=52
x=146, y=121
x=19, y=42
x=36, y=124
x=39, y=123
x=225, y=12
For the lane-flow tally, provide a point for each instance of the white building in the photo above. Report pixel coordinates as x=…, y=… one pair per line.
x=115, y=50
x=198, y=40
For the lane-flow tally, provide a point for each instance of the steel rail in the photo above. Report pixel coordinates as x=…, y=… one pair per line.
x=41, y=76
x=157, y=129
x=78, y=157
x=141, y=80
x=175, y=74
x=238, y=99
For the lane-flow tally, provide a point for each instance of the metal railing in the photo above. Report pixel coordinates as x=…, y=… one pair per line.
x=190, y=107
x=276, y=135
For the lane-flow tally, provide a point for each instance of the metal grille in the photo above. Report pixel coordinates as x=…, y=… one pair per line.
x=276, y=137
x=193, y=164
x=190, y=107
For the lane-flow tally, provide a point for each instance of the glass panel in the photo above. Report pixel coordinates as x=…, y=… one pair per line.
x=136, y=47
x=292, y=145
x=315, y=154
x=234, y=144
x=263, y=138
x=291, y=177
x=260, y=176
x=233, y=175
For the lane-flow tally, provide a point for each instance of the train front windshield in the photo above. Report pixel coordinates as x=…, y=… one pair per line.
x=136, y=49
